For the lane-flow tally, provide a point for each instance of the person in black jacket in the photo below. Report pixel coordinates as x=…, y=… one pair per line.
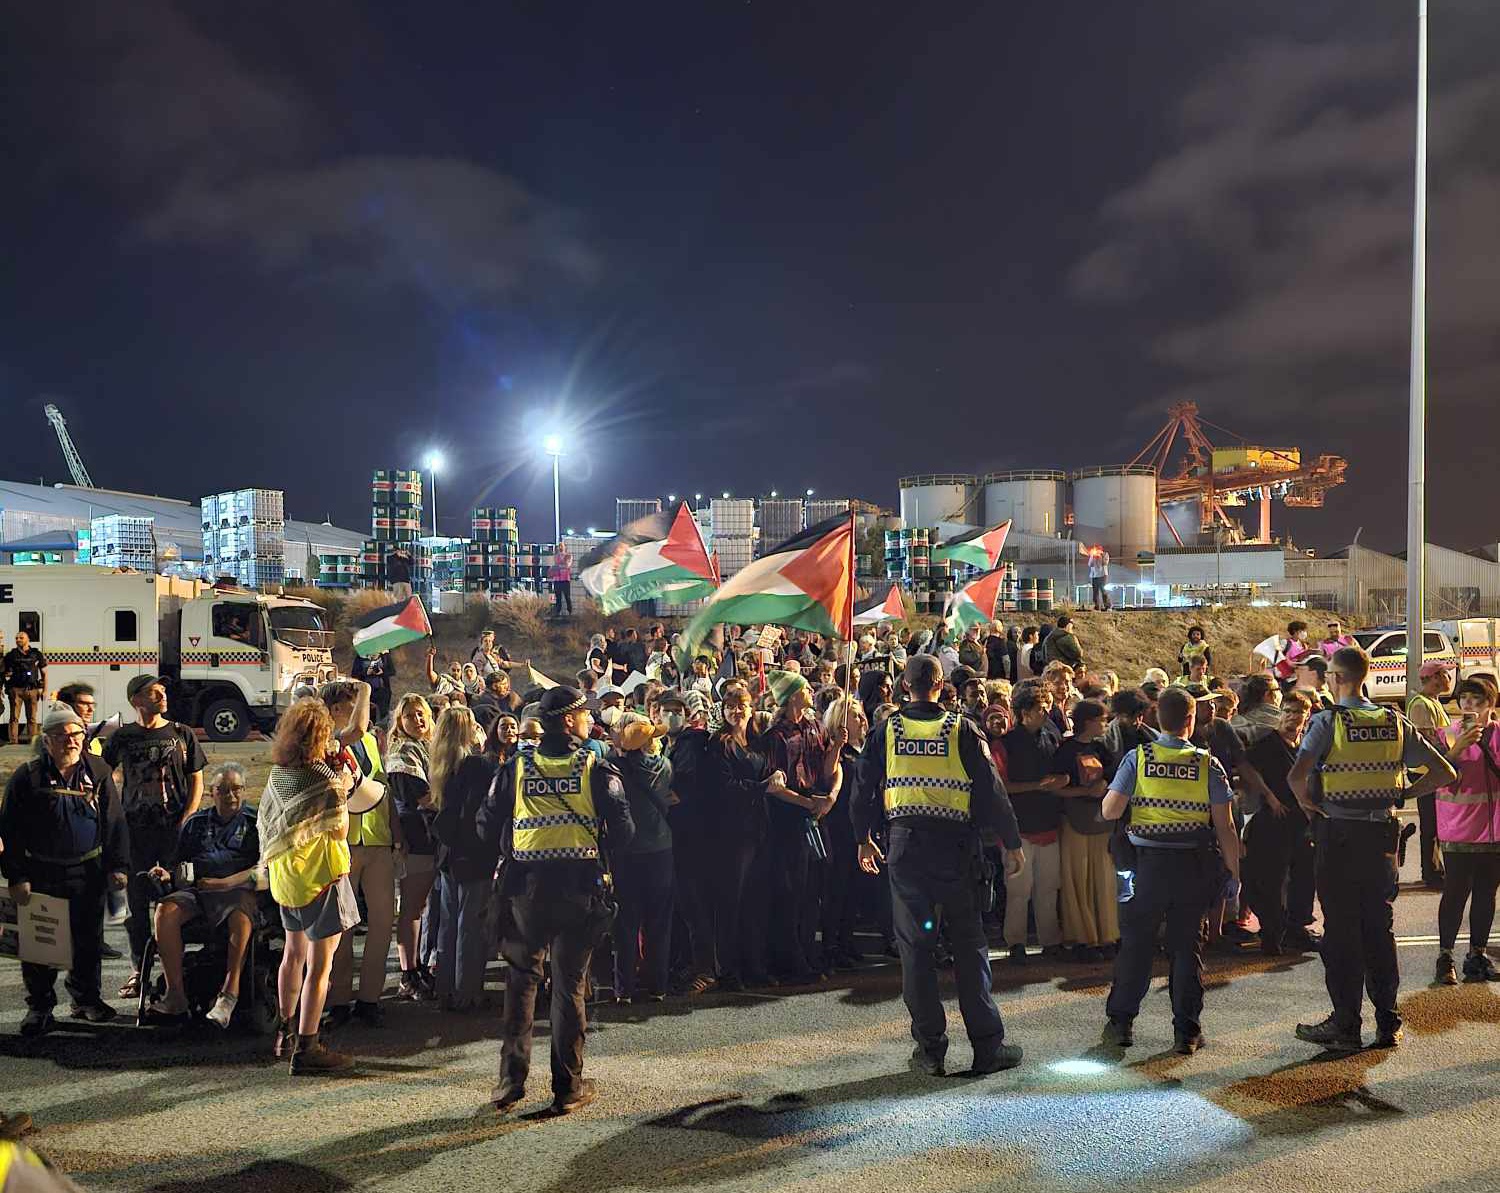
x=460, y=781
x=693, y=860
x=65, y=835
x=551, y=810
x=643, y=869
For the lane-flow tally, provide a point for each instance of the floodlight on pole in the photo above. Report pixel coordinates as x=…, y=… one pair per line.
x=434, y=464
x=553, y=446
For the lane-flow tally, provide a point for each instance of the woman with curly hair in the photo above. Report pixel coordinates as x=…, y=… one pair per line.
x=304, y=827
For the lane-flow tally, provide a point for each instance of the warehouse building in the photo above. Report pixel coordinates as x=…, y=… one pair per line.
x=39, y=518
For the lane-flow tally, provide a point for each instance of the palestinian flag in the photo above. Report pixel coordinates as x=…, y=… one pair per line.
x=535, y=679
x=979, y=550
x=676, y=566
x=391, y=626
x=973, y=604
x=890, y=609
x=807, y=583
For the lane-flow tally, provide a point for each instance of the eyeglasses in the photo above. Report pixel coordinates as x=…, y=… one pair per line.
x=233, y=788
x=70, y=736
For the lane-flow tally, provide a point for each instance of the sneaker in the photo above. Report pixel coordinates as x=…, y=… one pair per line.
x=732, y=985
x=1118, y=1033
x=109, y=953
x=1330, y=1036
x=1479, y=968
x=13, y=1126
x=1446, y=975
x=587, y=1091
x=410, y=988
x=701, y=984
x=92, y=1012
x=1018, y=954
x=371, y=1014
x=314, y=1056
x=37, y=1023
x=337, y=1017
x=621, y=1000
x=996, y=1060
x=222, y=1011
x=132, y=987
x=923, y=1061
x=1185, y=1045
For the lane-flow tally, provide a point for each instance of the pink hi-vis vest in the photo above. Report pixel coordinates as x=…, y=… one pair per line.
x=1468, y=811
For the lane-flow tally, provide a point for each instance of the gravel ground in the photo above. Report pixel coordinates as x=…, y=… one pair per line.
x=799, y=1090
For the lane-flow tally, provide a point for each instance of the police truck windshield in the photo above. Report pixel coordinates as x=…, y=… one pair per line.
x=300, y=626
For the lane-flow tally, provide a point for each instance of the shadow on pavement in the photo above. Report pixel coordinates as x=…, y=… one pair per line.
x=284, y=1176
x=1442, y=1008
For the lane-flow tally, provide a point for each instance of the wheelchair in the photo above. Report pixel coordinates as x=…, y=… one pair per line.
x=205, y=952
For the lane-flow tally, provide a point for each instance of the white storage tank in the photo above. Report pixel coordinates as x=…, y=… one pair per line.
x=1033, y=499
x=1116, y=507
x=939, y=497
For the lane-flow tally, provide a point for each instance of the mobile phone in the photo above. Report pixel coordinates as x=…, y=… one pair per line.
x=1470, y=720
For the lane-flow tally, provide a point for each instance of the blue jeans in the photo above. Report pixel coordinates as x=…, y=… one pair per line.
x=463, y=947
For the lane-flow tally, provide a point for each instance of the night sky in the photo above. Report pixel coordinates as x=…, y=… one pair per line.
x=741, y=246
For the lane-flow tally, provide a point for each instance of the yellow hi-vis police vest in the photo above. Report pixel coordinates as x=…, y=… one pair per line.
x=554, y=818
x=1170, y=802
x=924, y=775
x=1363, y=770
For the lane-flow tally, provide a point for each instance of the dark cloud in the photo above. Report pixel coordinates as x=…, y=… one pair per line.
x=1286, y=211
x=455, y=229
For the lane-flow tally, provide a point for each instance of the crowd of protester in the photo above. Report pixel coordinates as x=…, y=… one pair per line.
x=739, y=773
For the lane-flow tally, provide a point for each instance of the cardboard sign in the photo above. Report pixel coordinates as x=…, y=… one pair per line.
x=46, y=933
x=10, y=929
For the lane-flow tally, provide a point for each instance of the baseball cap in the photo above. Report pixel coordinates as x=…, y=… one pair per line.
x=1435, y=667
x=139, y=684
x=59, y=716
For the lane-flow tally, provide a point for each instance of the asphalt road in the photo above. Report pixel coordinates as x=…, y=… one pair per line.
x=800, y=1091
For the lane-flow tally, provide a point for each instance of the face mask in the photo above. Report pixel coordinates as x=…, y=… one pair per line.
x=675, y=722
x=609, y=717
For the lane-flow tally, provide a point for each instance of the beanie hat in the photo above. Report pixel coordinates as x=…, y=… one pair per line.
x=785, y=684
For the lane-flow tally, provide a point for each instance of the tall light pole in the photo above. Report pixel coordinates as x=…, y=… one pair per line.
x=434, y=462
x=552, y=445
x=1416, y=508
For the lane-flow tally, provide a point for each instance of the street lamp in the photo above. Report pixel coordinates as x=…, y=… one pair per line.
x=697, y=501
x=809, y=492
x=552, y=445
x=434, y=463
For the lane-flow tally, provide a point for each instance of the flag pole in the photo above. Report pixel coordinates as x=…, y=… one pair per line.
x=1416, y=509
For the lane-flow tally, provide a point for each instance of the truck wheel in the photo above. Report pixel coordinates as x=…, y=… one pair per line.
x=226, y=720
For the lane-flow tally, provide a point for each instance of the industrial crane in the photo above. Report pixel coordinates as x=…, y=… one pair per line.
x=1263, y=473
x=70, y=453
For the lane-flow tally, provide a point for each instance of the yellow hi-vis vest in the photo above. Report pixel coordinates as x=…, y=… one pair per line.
x=1363, y=770
x=924, y=775
x=1170, y=801
x=554, y=818
x=371, y=828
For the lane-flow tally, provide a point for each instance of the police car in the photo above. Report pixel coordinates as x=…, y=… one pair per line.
x=1471, y=644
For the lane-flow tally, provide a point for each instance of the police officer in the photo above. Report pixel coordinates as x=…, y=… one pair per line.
x=65, y=835
x=1184, y=840
x=927, y=773
x=1351, y=771
x=549, y=813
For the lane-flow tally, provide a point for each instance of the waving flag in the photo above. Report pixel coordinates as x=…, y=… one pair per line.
x=890, y=609
x=807, y=582
x=391, y=626
x=980, y=550
x=628, y=571
x=973, y=604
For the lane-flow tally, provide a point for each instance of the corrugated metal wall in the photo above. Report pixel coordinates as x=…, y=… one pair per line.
x=1372, y=584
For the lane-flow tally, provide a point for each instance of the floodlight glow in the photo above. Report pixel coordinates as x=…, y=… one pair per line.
x=809, y=492
x=434, y=461
x=552, y=445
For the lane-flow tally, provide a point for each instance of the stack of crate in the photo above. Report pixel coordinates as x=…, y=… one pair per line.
x=534, y=569
x=244, y=536
x=395, y=523
x=492, y=564
x=733, y=534
x=119, y=541
x=447, y=557
x=338, y=570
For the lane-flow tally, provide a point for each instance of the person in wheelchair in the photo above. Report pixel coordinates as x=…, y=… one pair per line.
x=218, y=873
